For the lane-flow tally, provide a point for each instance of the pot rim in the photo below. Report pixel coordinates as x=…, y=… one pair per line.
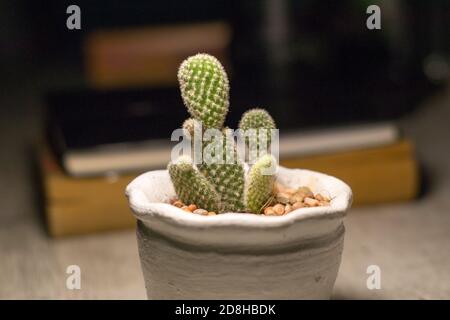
x=143, y=209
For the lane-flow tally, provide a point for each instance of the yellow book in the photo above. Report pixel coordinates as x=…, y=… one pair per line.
x=83, y=205
x=376, y=175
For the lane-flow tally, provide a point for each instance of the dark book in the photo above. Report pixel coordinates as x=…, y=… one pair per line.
x=90, y=131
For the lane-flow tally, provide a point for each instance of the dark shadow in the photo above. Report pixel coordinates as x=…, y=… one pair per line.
x=36, y=180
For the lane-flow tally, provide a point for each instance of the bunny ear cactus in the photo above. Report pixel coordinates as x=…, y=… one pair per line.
x=260, y=183
x=191, y=186
x=261, y=176
x=218, y=186
x=189, y=127
x=205, y=89
x=257, y=121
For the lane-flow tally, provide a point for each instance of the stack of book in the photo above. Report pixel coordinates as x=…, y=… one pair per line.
x=91, y=155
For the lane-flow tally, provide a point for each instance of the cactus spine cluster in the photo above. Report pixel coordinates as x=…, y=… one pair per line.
x=220, y=187
x=259, y=188
x=185, y=176
x=205, y=89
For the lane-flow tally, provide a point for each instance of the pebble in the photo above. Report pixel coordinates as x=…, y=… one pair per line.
x=278, y=209
x=269, y=211
x=202, y=212
x=311, y=202
x=321, y=197
x=178, y=203
x=192, y=207
x=298, y=205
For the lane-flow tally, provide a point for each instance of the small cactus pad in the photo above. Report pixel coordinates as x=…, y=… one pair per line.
x=257, y=119
x=191, y=186
x=205, y=89
x=259, y=186
x=189, y=126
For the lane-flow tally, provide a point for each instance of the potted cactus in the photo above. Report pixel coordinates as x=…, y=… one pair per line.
x=245, y=228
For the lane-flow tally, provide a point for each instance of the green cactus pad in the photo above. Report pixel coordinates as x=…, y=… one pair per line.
x=259, y=187
x=257, y=119
x=191, y=186
x=205, y=89
x=229, y=182
x=189, y=126
x=228, y=178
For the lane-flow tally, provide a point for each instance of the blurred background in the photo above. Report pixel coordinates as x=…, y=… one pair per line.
x=84, y=111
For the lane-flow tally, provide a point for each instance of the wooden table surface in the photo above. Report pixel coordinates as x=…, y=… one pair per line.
x=410, y=242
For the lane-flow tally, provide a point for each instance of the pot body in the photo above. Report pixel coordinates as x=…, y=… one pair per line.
x=236, y=255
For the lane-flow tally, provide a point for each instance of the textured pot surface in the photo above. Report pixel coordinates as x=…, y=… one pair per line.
x=238, y=255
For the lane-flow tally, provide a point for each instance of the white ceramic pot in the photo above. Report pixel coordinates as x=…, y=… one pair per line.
x=239, y=255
